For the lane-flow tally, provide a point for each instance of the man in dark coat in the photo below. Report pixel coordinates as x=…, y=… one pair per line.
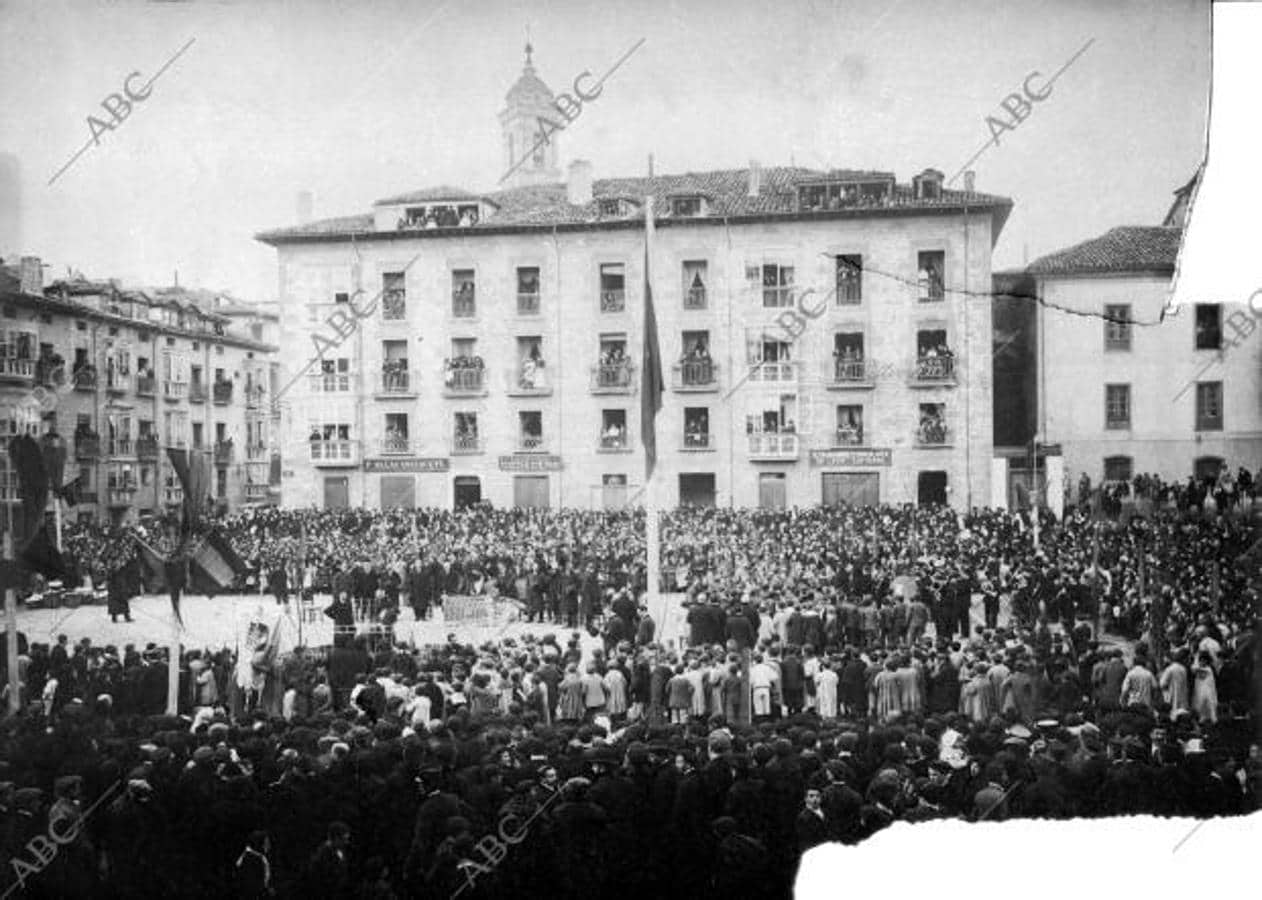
x=121, y=585
x=792, y=681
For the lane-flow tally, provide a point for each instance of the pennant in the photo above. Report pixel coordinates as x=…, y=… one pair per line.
x=215, y=565
x=70, y=492
x=652, y=385
x=175, y=571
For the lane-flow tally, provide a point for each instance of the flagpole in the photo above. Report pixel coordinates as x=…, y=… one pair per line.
x=11, y=630
x=652, y=526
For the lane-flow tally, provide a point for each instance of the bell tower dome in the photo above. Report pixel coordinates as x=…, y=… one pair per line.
x=530, y=149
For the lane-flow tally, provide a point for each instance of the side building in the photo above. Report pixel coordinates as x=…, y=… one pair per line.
x=122, y=374
x=1125, y=391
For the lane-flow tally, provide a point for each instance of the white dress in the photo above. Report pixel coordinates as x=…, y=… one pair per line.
x=826, y=693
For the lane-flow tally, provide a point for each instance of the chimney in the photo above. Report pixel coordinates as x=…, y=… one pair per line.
x=31, y=276
x=755, y=178
x=578, y=187
x=305, y=207
x=969, y=180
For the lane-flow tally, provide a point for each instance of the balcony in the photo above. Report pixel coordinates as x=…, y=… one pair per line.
x=848, y=436
x=50, y=371
x=122, y=447
x=117, y=382
x=85, y=378
x=778, y=297
x=613, y=378
x=254, y=394
x=396, y=380
x=697, y=441
x=527, y=304
x=256, y=493
x=121, y=494
x=773, y=372
x=464, y=381
x=931, y=434
x=613, y=301
x=15, y=369
x=394, y=306
x=466, y=445
x=256, y=452
x=695, y=375
x=463, y=305
x=221, y=392
x=850, y=374
x=694, y=298
x=147, y=448
x=529, y=379
x=174, y=390
x=531, y=443
x=223, y=453
x=615, y=443
x=87, y=447
x=774, y=446
x=146, y=385
x=398, y=445
x=329, y=383
x=335, y=453
x=87, y=497
x=935, y=370
x=197, y=392
x=173, y=496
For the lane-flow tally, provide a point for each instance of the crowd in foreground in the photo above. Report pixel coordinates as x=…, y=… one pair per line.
x=616, y=764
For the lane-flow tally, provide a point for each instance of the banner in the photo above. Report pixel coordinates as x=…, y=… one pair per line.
x=480, y=611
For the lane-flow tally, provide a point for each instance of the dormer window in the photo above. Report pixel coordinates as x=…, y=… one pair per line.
x=440, y=215
x=840, y=194
x=928, y=185
x=685, y=206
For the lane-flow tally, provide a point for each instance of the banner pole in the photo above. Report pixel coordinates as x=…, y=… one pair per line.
x=11, y=633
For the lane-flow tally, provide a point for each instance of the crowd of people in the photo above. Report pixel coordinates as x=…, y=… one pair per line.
x=902, y=664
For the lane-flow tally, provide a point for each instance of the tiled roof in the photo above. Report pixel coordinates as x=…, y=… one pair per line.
x=1128, y=248
x=727, y=191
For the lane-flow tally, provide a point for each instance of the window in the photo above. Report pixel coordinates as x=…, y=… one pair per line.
x=775, y=281
x=932, y=430
x=531, y=373
x=849, y=363
x=395, y=377
x=849, y=426
x=849, y=279
x=342, y=297
x=466, y=438
x=334, y=377
x=394, y=296
x=930, y=269
x=613, y=296
x=773, y=415
x=221, y=484
x=694, y=284
x=463, y=299
x=935, y=361
x=330, y=440
x=696, y=367
x=1117, y=326
x=1117, y=406
x=527, y=290
x=1117, y=468
x=530, y=430
x=685, y=206
x=614, y=367
x=696, y=428
x=610, y=206
x=613, y=429
x=1209, y=326
x=198, y=441
x=1209, y=406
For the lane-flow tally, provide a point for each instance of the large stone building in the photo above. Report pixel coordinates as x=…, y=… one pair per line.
x=499, y=354
x=1123, y=390
x=122, y=374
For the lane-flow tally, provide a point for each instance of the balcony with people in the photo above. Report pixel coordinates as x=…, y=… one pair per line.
x=528, y=291
x=770, y=362
x=146, y=383
x=463, y=294
x=530, y=432
x=396, y=378
x=613, y=432
x=529, y=378
x=850, y=365
x=439, y=215
x=147, y=447
x=932, y=430
x=931, y=287
x=118, y=374
x=224, y=453
x=254, y=395
x=613, y=295
x=331, y=445
x=696, y=370
x=85, y=377
x=121, y=487
x=221, y=391
x=849, y=431
x=394, y=302
x=697, y=435
x=695, y=285
x=464, y=376
x=613, y=373
x=935, y=361
x=50, y=370
x=87, y=443
x=772, y=436
x=121, y=445
x=334, y=377
x=466, y=440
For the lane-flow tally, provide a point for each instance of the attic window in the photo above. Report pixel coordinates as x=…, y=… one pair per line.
x=685, y=206
x=842, y=194
x=611, y=207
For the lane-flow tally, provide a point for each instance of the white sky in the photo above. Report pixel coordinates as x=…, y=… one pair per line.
x=355, y=101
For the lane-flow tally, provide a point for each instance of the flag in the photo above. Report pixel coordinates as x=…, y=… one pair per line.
x=69, y=492
x=194, y=475
x=652, y=383
x=41, y=554
x=28, y=462
x=175, y=571
x=153, y=566
x=215, y=565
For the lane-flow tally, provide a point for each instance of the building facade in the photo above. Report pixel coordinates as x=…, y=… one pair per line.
x=122, y=374
x=1123, y=390
x=817, y=338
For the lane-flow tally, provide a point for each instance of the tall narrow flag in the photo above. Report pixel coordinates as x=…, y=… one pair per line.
x=652, y=385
